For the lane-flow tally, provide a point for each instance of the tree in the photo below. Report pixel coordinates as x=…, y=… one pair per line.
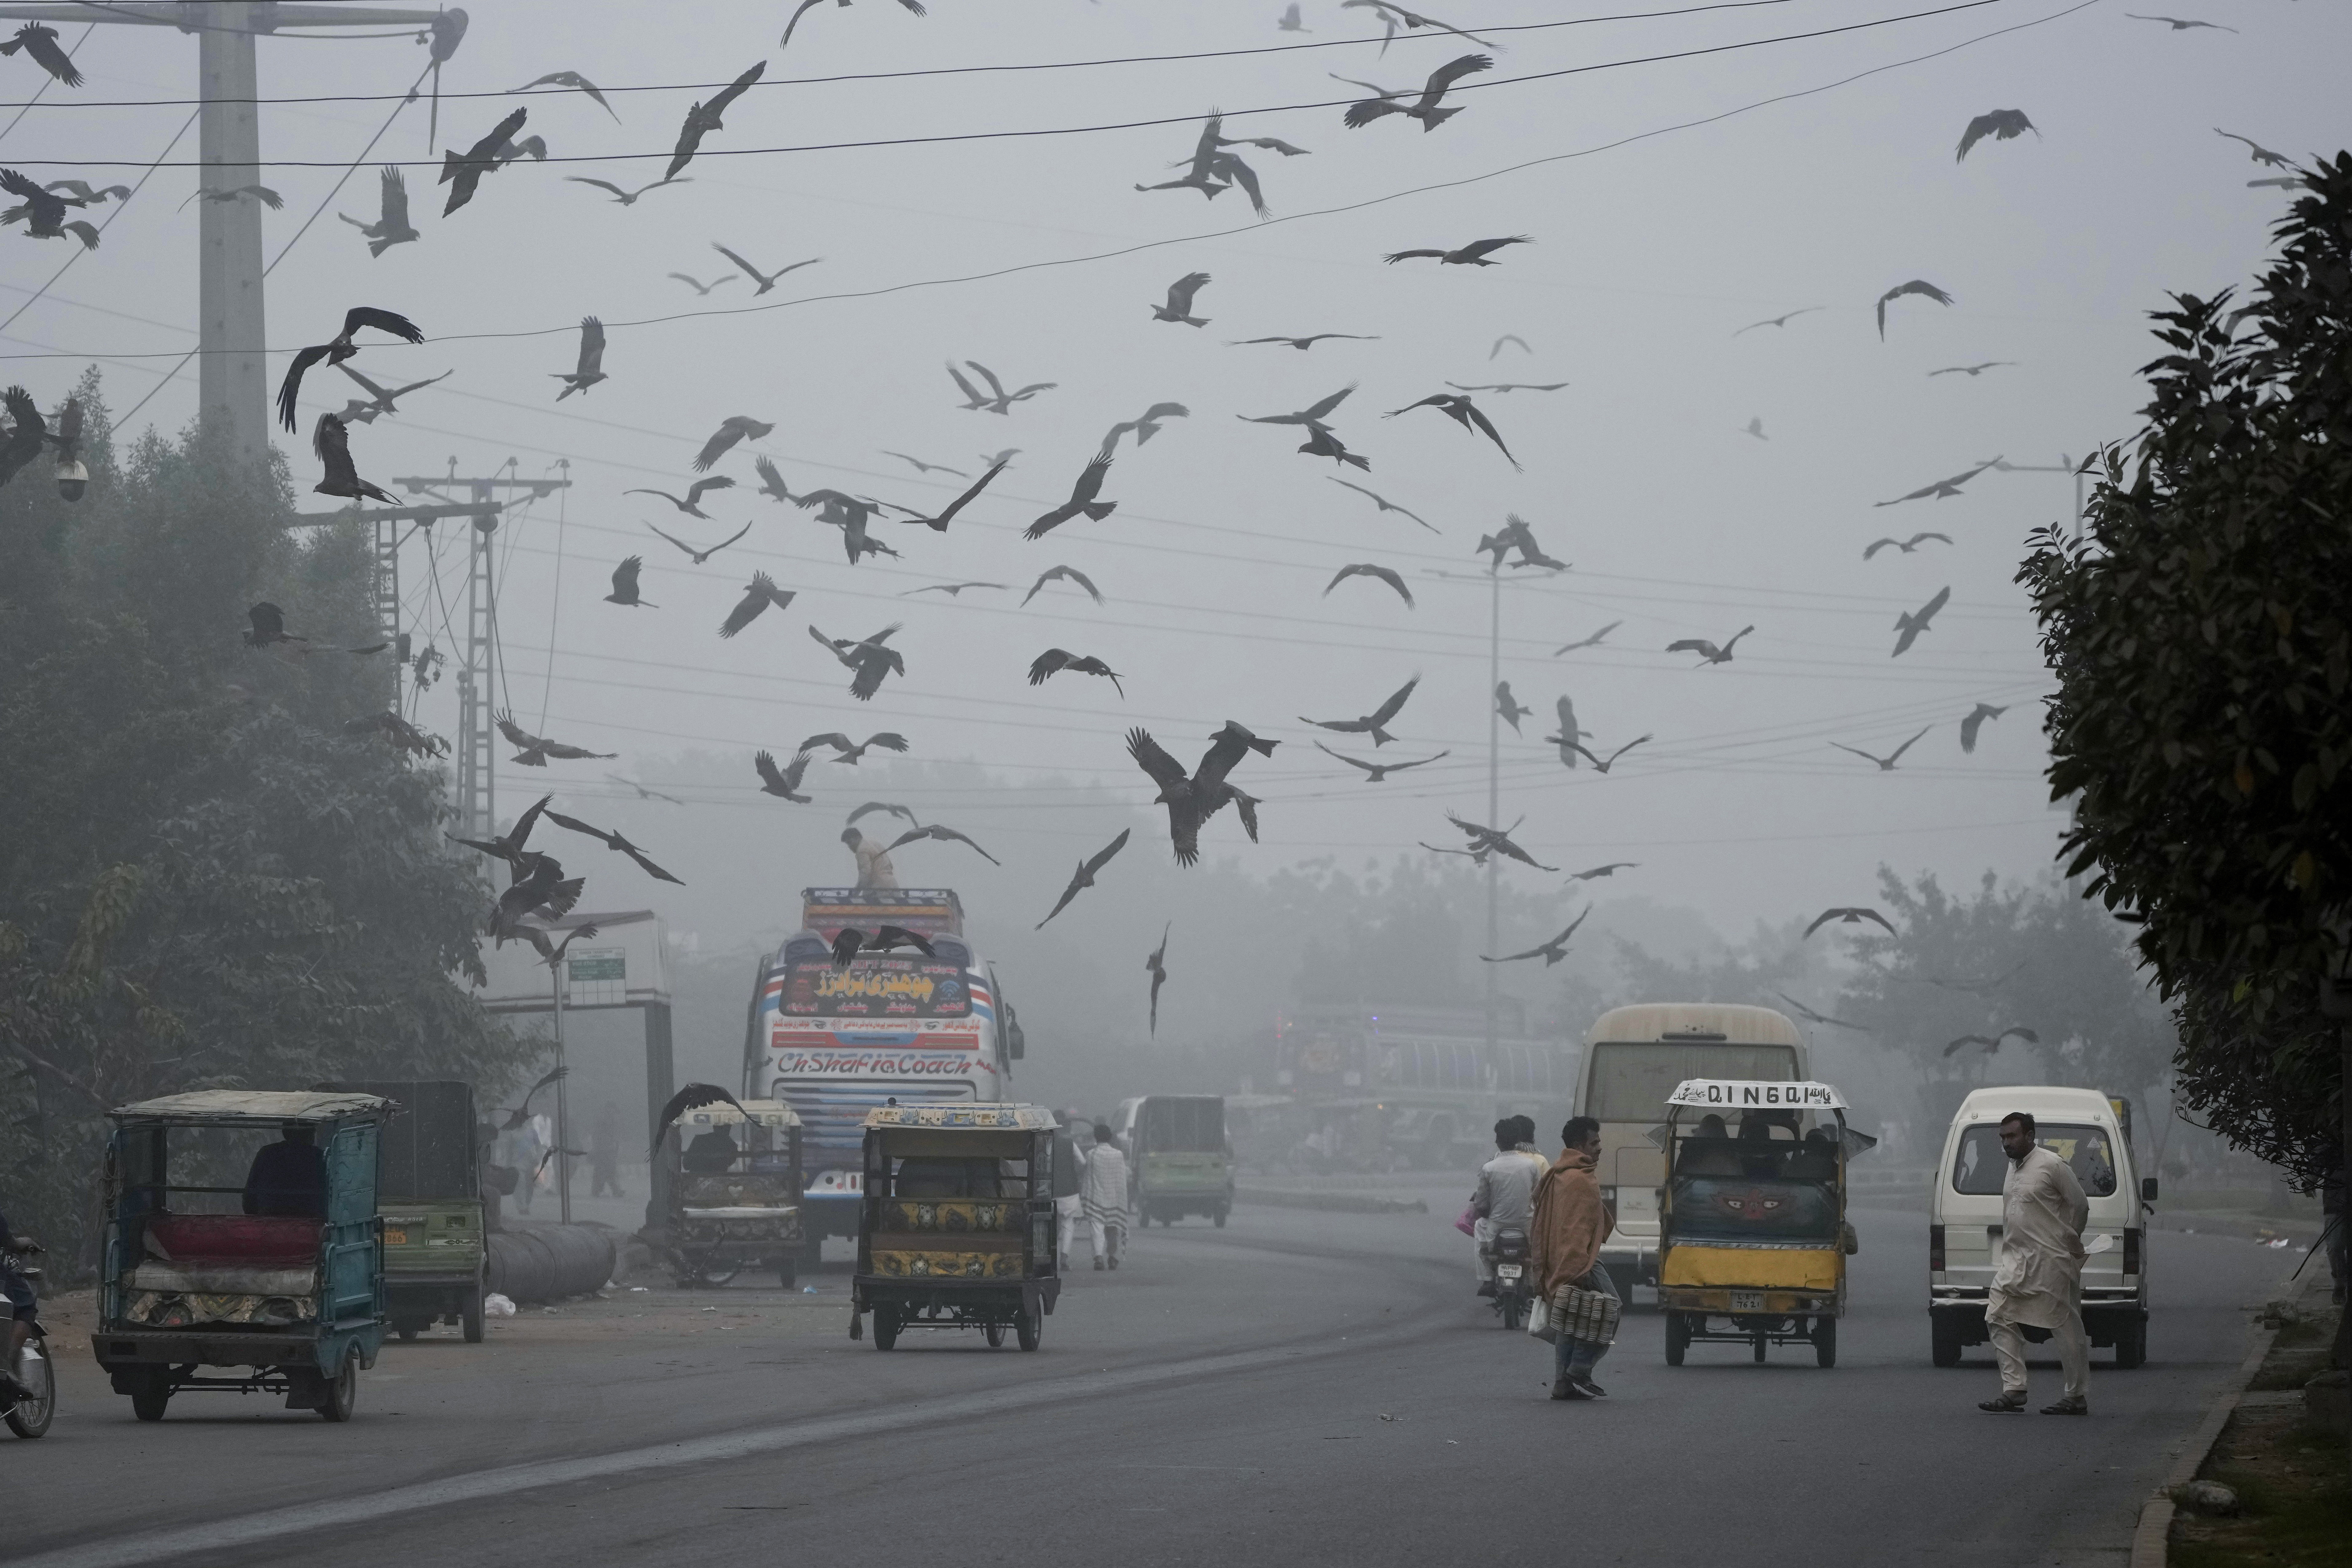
x=2198, y=633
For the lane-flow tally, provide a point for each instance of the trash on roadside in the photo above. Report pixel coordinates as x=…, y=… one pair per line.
x=496, y=1305
x=2207, y=1497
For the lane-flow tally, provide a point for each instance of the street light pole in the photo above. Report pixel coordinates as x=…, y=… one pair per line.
x=1494, y=795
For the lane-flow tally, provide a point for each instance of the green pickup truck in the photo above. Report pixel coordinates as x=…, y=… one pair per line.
x=428, y=1192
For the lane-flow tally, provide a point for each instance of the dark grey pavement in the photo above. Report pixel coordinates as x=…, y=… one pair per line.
x=1298, y=1388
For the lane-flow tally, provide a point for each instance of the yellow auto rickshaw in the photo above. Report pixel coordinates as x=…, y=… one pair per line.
x=1753, y=1233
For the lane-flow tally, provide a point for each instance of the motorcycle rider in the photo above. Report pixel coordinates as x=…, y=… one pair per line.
x=16, y=1292
x=1503, y=1199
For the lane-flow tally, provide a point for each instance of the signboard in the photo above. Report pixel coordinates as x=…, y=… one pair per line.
x=1739, y=1094
x=627, y=967
x=913, y=987
x=933, y=911
x=596, y=977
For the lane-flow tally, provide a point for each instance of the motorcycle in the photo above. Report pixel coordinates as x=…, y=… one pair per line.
x=28, y=1415
x=1515, y=1287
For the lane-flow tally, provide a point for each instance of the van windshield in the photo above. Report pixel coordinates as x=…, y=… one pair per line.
x=1631, y=1082
x=1979, y=1166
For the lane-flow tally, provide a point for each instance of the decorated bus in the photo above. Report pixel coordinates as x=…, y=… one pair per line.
x=904, y=1027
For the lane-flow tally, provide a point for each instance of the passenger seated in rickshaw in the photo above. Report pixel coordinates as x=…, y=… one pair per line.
x=940, y=1176
x=1815, y=1159
x=1708, y=1150
x=711, y=1154
x=289, y=1178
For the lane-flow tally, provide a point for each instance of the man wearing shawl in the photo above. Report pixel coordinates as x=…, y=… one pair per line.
x=2037, y=1279
x=1104, y=1195
x=1570, y=1225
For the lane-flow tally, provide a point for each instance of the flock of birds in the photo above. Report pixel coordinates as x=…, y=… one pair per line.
x=538, y=893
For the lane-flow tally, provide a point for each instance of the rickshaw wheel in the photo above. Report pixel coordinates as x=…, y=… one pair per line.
x=885, y=1326
x=1678, y=1332
x=1030, y=1327
x=1761, y=1348
x=788, y=1275
x=1220, y=1219
x=995, y=1332
x=342, y=1391
x=469, y=1316
x=406, y=1331
x=1825, y=1340
x=149, y=1400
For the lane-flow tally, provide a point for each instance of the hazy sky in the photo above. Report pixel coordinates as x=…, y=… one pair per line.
x=1648, y=257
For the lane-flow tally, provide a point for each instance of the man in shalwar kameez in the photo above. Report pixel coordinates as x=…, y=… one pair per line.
x=2037, y=1281
x=1103, y=1195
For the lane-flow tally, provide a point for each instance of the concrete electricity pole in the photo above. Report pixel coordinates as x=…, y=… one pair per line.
x=232, y=381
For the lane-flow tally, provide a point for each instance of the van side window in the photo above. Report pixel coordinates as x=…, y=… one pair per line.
x=1979, y=1164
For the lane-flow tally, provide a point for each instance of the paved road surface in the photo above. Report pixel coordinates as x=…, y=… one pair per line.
x=1300, y=1387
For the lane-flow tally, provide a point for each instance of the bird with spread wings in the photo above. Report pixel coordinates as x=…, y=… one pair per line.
x=703, y=119
x=1551, y=951
x=1707, y=652
x=616, y=842
x=1157, y=964
x=1376, y=772
x=1424, y=108
x=339, y=348
x=1084, y=877
x=1919, y=286
x=1885, y=763
x=1388, y=574
x=1374, y=724
x=1462, y=412
x=535, y=750
x=1849, y=915
x=390, y=226
x=1382, y=501
x=2000, y=125
x=1191, y=799
x=756, y=599
x=868, y=659
x=944, y=835
x=1473, y=254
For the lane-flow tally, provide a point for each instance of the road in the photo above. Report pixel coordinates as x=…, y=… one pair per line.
x=1298, y=1388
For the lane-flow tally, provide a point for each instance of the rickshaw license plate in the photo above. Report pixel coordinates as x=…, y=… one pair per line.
x=1747, y=1300
x=396, y=1238
x=1506, y=1271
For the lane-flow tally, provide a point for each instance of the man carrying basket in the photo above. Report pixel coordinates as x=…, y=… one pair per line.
x=1570, y=1223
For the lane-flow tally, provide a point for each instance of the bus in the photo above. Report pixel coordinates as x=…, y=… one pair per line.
x=1633, y=1058
x=834, y=1042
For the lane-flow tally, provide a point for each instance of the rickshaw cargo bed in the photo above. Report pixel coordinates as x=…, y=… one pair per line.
x=1751, y=1268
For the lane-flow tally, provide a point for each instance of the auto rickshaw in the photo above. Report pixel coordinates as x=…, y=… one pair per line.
x=1753, y=1233
x=735, y=1192
x=429, y=1192
x=957, y=1226
x=241, y=1232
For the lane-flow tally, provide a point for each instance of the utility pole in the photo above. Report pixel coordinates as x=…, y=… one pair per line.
x=232, y=378
x=2064, y=466
x=1494, y=802
x=477, y=733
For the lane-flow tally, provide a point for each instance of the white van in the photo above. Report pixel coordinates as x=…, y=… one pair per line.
x=2088, y=1132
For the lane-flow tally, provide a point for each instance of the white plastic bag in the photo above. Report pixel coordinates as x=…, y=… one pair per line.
x=495, y=1305
x=1540, y=1322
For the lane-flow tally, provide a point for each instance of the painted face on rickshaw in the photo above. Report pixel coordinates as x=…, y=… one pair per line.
x=1754, y=1204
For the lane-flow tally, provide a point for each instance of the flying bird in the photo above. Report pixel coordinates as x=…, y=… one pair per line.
x=1322, y=441
x=539, y=888
x=40, y=46
x=1592, y=641
x=1516, y=534
x=625, y=199
x=766, y=280
x=380, y=399
x=1610, y=869
x=1917, y=286
x=643, y=793
x=1382, y=502
x=698, y=286
x=1570, y=732
x=850, y=751
x=1905, y=545
x=756, y=599
x=1992, y=1043
x=1157, y=964
x=463, y=172
x=1781, y=320
x=268, y=620
x=869, y=659
x=333, y=443
x=1312, y=415
x=1145, y=427
x=1911, y=622
x=1394, y=16
x=996, y=400
x=872, y=806
x=216, y=195
x=1462, y=412
x=1602, y=764
x=2178, y=24
x=1424, y=108
x=1388, y=574
x=1849, y=916
x=571, y=79
x=2261, y=154
x=2000, y=125
x=591, y=368
x=1082, y=499
x=1374, y=724
x=704, y=118
x=1287, y=22
x=1053, y=573
x=1503, y=386
x=1376, y=772
x=1552, y=953
x=1756, y=428
x=534, y=751
x=939, y=524
x=1303, y=343
x=522, y=1113
x=1507, y=707
x=44, y=211
x=1707, y=652
x=1179, y=306
x=1054, y=660
x=944, y=835
x=624, y=584
x=914, y=7
x=693, y=1097
x=87, y=194
x=1942, y=490
x=1495, y=841
x=920, y=467
x=509, y=846
x=730, y=430
x=1191, y=799
x=1970, y=370
x=1885, y=763
x=771, y=480
x=1084, y=876
x=1810, y=1016
x=702, y=555
x=781, y=782
x=850, y=940
x=1508, y=338
x=403, y=735
x=951, y=590
x=1473, y=254
x=851, y=514
x=339, y=348
x=614, y=841
x=692, y=504
x=1975, y=722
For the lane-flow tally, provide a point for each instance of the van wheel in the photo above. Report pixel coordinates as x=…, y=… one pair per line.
x=2131, y=1345
x=1944, y=1339
x=1825, y=1340
x=1678, y=1333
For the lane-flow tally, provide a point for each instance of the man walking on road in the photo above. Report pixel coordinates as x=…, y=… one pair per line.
x=2038, y=1277
x=1069, y=1174
x=1104, y=1193
x=1569, y=1224
x=1505, y=1195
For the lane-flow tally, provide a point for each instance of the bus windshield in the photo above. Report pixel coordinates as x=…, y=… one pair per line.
x=1629, y=1082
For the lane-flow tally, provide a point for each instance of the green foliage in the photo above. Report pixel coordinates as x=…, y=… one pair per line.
x=208, y=881
x=2200, y=637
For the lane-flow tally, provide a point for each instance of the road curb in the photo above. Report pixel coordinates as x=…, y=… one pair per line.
x=1342, y=1202
x=2151, y=1540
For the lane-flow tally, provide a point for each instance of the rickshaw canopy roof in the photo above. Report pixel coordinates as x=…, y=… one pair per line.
x=1750, y=1094
x=231, y=1106
x=981, y=1116
x=762, y=1112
